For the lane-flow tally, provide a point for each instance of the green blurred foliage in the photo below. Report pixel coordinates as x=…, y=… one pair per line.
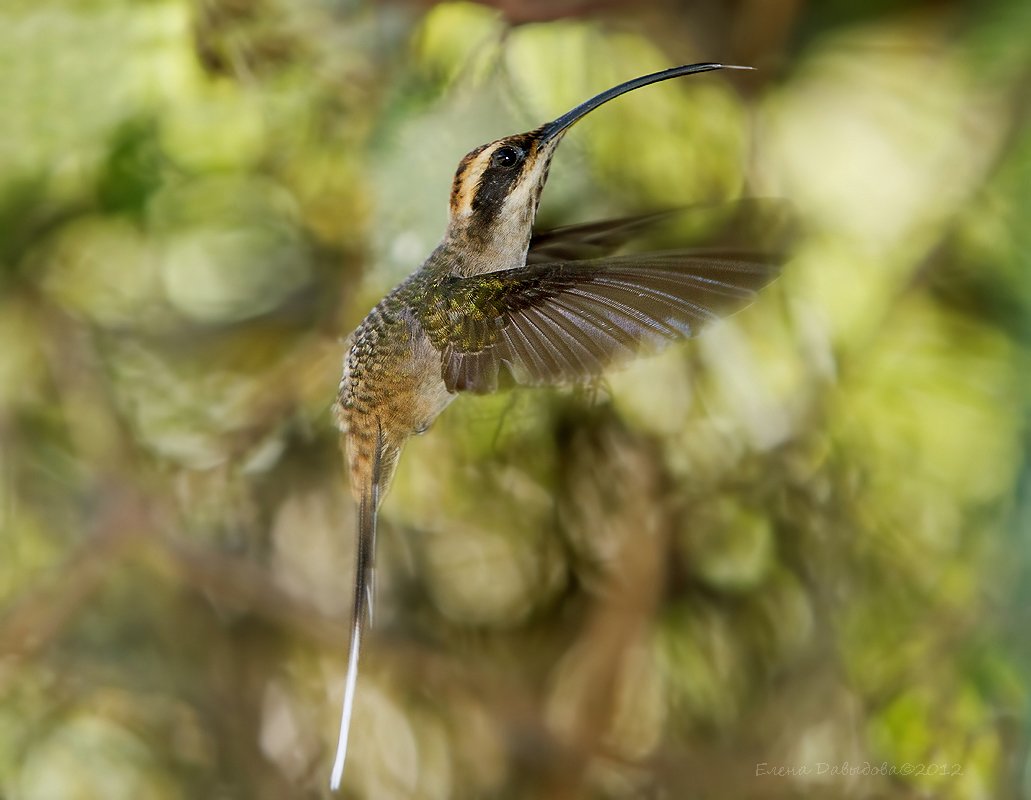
x=798, y=543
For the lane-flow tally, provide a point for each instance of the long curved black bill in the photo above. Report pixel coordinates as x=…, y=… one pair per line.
x=556, y=127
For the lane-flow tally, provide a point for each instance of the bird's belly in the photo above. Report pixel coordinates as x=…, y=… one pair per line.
x=398, y=388
x=429, y=395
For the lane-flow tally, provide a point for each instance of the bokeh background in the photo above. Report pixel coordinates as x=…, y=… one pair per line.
x=788, y=560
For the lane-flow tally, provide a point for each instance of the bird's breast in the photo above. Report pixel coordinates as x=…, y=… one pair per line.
x=391, y=377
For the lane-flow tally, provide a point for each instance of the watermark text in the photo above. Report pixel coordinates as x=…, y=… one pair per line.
x=858, y=768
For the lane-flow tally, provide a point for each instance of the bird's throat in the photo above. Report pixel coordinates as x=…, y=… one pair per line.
x=478, y=248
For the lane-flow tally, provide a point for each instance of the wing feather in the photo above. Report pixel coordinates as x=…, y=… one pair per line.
x=595, y=335
x=575, y=340
x=605, y=338
x=567, y=321
x=541, y=361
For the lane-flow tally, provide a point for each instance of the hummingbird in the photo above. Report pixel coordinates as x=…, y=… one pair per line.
x=496, y=305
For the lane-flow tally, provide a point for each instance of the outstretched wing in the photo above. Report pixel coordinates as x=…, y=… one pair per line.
x=567, y=321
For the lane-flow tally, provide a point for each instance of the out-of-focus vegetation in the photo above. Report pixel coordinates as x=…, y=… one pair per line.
x=762, y=565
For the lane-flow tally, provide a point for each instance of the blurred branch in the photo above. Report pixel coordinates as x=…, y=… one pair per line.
x=238, y=585
x=615, y=493
x=43, y=612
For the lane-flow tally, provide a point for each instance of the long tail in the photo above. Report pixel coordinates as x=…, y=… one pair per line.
x=364, y=589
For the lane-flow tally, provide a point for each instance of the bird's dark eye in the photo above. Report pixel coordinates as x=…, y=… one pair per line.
x=506, y=156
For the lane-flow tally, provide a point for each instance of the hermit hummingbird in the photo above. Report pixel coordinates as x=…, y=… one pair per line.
x=490, y=307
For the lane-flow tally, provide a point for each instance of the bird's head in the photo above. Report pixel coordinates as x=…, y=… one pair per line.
x=497, y=187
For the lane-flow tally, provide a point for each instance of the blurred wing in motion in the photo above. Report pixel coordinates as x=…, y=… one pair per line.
x=567, y=321
x=763, y=223
x=591, y=239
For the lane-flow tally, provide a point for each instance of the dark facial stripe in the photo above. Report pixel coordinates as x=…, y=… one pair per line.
x=496, y=183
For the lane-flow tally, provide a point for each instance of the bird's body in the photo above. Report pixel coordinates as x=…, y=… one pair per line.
x=493, y=305
x=391, y=386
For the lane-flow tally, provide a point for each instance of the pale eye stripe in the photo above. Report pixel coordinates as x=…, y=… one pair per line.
x=471, y=180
